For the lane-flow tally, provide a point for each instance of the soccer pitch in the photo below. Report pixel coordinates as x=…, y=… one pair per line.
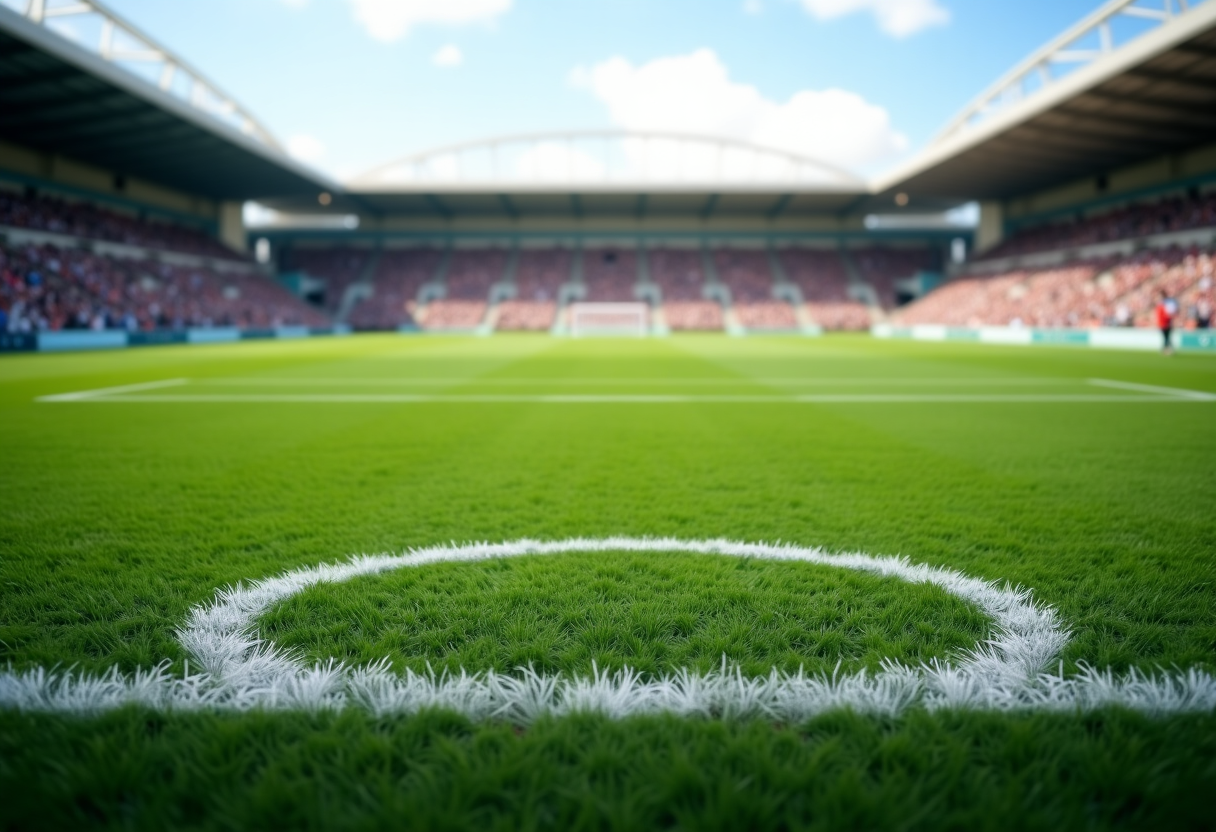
x=632, y=656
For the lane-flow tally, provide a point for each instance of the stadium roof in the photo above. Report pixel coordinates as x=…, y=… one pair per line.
x=1142, y=84
x=608, y=175
x=605, y=158
x=609, y=203
x=179, y=131
x=1134, y=81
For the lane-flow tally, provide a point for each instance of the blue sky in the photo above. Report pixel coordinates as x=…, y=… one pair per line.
x=349, y=84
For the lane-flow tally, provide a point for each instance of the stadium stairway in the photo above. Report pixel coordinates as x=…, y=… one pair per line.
x=362, y=289
x=715, y=290
x=434, y=289
x=650, y=293
x=788, y=291
x=859, y=289
x=504, y=289
x=574, y=289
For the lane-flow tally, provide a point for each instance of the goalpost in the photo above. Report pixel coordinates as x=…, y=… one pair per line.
x=629, y=319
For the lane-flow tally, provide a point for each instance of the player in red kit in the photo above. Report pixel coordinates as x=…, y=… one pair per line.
x=1167, y=309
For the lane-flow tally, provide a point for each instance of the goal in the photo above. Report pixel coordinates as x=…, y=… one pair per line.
x=609, y=319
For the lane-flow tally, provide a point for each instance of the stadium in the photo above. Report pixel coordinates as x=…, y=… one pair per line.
x=609, y=477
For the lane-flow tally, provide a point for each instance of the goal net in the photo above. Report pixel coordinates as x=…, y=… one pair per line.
x=609, y=319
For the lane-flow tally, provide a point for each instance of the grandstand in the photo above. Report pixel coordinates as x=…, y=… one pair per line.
x=539, y=277
x=66, y=266
x=748, y=277
x=1096, y=186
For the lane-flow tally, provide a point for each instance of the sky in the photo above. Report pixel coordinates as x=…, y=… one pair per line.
x=347, y=85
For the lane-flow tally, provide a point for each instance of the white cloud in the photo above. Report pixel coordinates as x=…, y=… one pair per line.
x=694, y=94
x=898, y=18
x=448, y=56
x=307, y=149
x=753, y=6
x=390, y=20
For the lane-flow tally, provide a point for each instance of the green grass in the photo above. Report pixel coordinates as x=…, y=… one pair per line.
x=118, y=517
x=964, y=772
x=561, y=614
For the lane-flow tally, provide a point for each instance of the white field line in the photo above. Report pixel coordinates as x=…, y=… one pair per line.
x=1192, y=395
x=85, y=395
x=544, y=382
x=637, y=398
x=242, y=671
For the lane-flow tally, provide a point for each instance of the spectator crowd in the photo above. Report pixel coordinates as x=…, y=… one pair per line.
x=1144, y=219
x=1118, y=291
x=83, y=220
x=47, y=288
x=612, y=275
x=539, y=275
x=748, y=275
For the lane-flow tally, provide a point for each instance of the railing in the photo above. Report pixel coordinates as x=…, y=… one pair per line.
x=91, y=25
x=1104, y=32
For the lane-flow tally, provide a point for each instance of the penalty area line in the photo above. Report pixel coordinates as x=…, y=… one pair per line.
x=86, y=395
x=1176, y=392
x=253, y=381
x=399, y=398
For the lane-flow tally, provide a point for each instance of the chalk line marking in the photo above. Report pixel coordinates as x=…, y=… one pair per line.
x=242, y=671
x=86, y=395
x=1193, y=395
x=247, y=381
x=135, y=393
x=626, y=398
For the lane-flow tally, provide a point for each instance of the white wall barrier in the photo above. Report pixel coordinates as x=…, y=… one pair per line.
x=109, y=339
x=1101, y=337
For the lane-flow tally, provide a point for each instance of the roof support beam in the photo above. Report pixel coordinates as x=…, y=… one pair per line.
x=130, y=45
x=1170, y=134
x=18, y=86
x=1019, y=164
x=131, y=158
x=1168, y=110
x=1081, y=140
x=1051, y=150
x=145, y=128
x=1201, y=83
x=576, y=205
x=436, y=204
x=778, y=207
x=1081, y=145
x=508, y=206
x=639, y=209
x=79, y=106
x=144, y=152
x=707, y=209
x=1198, y=50
x=854, y=204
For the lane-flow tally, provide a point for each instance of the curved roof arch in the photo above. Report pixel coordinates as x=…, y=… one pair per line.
x=1140, y=84
x=604, y=158
x=1093, y=40
x=103, y=94
x=92, y=26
